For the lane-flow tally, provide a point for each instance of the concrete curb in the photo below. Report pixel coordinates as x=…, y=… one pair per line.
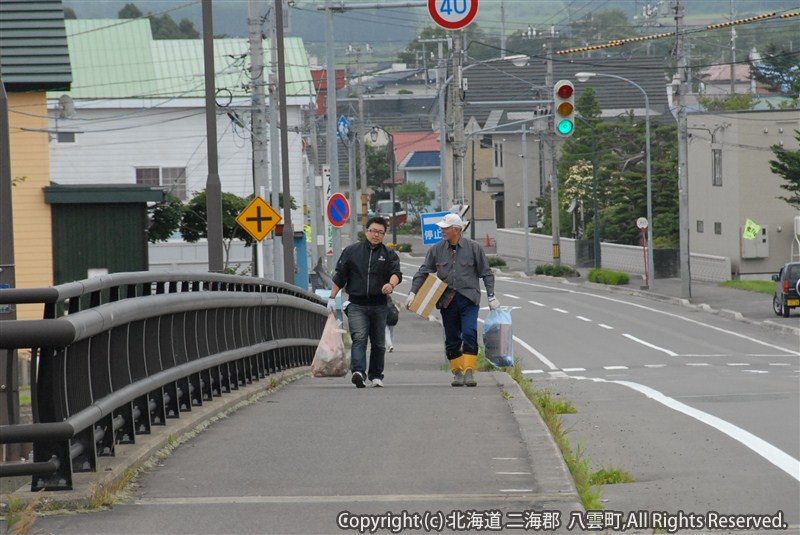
x=113, y=470
x=547, y=462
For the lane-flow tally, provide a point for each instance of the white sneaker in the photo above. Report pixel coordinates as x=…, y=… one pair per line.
x=391, y=348
x=377, y=382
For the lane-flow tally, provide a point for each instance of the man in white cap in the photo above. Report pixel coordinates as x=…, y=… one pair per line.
x=459, y=262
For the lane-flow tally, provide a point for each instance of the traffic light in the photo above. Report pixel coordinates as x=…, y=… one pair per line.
x=564, y=108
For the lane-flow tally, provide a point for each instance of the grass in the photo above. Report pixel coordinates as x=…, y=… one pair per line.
x=764, y=287
x=25, y=396
x=19, y=519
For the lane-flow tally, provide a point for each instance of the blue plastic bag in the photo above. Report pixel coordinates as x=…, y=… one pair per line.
x=498, y=338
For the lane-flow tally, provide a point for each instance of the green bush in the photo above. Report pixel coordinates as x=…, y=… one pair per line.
x=496, y=261
x=606, y=276
x=556, y=271
x=404, y=247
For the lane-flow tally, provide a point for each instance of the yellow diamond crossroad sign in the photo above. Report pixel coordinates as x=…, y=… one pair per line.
x=258, y=218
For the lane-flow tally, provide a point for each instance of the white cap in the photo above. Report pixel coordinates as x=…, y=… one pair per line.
x=451, y=220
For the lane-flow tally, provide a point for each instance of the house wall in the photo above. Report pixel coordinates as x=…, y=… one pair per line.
x=511, y=173
x=484, y=205
x=749, y=189
x=33, y=245
x=117, y=141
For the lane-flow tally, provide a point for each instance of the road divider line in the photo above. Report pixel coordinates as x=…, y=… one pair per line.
x=538, y=304
x=604, y=326
x=583, y=319
x=561, y=310
x=510, y=296
x=777, y=457
x=651, y=346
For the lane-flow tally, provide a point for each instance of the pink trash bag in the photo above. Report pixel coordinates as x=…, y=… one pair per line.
x=330, y=360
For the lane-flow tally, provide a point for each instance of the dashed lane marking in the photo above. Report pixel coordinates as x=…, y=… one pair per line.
x=538, y=304
x=583, y=319
x=604, y=326
x=561, y=310
x=651, y=346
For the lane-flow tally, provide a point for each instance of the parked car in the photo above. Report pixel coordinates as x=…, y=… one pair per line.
x=787, y=289
x=384, y=209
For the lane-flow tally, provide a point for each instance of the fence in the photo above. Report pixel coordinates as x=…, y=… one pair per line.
x=626, y=258
x=117, y=355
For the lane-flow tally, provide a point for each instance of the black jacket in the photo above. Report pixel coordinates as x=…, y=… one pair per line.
x=362, y=271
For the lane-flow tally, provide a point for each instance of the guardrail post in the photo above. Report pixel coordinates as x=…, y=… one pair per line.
x=124, y=427
x=58, y=451
x=141, y=406
x=87, y=460
x=158, y=413
x=171, y=401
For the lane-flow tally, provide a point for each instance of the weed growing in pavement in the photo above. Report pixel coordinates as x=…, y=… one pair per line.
x=19, y=519
x=764, y=287
x=610, y=476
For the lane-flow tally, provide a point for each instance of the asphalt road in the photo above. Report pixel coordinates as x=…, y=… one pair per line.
x=701, y=409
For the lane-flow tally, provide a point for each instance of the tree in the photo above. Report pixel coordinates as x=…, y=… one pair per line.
x=69, y=13
x=377, y=166
x=194, y=223
x=165, y=219
x=475, y=43
x=787, y=166
x=163, y=27
x=727, y=103
x=780, y=70
x=416, y=197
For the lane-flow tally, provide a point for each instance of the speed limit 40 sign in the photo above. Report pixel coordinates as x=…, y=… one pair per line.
x=453, y=14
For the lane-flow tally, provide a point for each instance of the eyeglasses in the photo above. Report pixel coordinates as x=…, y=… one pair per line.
x=376, y=231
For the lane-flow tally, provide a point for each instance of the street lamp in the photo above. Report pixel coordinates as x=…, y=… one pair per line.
x=373, y=135
x=583, y=77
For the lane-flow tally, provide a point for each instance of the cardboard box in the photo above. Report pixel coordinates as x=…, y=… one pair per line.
x=427, y=296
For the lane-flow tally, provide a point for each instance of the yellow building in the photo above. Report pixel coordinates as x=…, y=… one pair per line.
x=33, y=60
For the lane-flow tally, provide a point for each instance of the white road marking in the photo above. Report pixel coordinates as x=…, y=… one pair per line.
x=651, y=346
x=530, y=372
x=677, y=316
x=558, y=374
x=604, y=326
x=779, y=364
x=513, y=473
x=510, y=296
x=538, y=304
x=561, y=310
x=574, y=369
x=782, y=460
x=532, y=351
x=516, y=490
x=704, y=356
x=755, y=371
x=738, y=364
x=655, y=365
x=615, y=367
x=582, y=318
x=698, y=364
x=505, y=458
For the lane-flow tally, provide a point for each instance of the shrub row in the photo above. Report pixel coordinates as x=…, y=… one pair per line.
x=606, y=276
x=556, y=271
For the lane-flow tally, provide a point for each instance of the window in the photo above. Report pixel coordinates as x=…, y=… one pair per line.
x=699, y=227
x=65, y=137
x=717, y=228
x=172, y=179
x=716, y=167
x=149, y=176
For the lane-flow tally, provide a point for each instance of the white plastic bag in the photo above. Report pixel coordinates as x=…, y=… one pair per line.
x=498, y=338
x=330, y=360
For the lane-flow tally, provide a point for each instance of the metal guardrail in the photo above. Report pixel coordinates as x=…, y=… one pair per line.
x=116, y=355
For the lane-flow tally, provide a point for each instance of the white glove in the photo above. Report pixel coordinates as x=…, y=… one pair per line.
x=410, y=299
x=493, y=302
x=332, y=305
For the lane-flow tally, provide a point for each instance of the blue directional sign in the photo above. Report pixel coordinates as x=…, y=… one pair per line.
x=343, y=129
x=431, y=233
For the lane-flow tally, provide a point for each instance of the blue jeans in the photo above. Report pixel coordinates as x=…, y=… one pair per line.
x=460, y=321
x=367, y=322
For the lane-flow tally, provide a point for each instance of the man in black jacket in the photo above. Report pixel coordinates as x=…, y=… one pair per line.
x=368, y=271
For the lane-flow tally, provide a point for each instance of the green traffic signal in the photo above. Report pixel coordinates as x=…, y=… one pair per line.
x=565, y=127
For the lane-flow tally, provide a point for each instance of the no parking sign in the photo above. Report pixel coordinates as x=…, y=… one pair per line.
x=338, y=210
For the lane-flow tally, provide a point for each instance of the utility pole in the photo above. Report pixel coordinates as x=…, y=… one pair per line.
x=330, y=127
x=459, y=138
x=259, y=137
x=274, y=147
x=733, y=54
x=288, y=234
x=502, y=28
x=362, y=153
x=683, y=149
x=554, y=208
x=312, y=184
x=213, y=185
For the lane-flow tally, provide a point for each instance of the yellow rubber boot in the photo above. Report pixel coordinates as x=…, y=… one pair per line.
x=470, y=364
x=457, y=367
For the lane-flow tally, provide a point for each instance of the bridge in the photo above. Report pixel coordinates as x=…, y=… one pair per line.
x=119, y=356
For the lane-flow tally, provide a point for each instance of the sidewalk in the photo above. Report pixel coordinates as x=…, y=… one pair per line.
x=294, y=460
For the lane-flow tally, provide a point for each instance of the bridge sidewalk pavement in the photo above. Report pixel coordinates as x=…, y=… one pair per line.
x=292, y=461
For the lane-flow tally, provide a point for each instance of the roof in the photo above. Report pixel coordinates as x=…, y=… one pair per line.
x=33, y=45
x=502, y=81
x=422, y=159
x=722, y=73
x=408, y=142
x=102, y=193
x=120, y=59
